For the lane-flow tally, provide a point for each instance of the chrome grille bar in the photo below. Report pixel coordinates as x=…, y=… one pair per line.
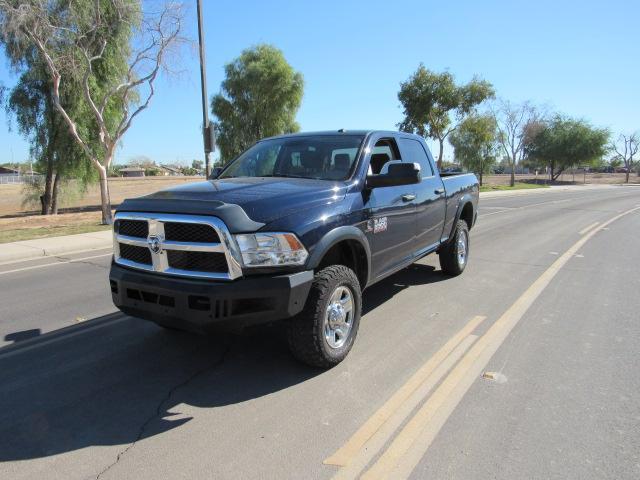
x=158, y=245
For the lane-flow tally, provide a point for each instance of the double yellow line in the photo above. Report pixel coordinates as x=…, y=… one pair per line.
x=371, y=437
x=453, y=369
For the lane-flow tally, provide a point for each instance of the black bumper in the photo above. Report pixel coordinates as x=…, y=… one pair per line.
x=202, y=305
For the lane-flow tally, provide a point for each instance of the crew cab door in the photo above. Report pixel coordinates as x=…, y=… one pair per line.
x=391, y=212
x=430, y=196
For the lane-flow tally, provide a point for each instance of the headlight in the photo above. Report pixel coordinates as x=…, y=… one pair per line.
x=271, y=249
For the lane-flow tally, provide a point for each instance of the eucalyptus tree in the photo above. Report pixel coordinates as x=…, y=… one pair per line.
x=434, y=105
x=113, y=50
x=474, y=143
x=55, y=152
x=259, y=97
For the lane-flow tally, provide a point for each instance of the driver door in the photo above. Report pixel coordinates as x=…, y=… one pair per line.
x=391, y=213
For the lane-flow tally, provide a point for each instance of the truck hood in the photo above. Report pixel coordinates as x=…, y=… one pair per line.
x=263, y=199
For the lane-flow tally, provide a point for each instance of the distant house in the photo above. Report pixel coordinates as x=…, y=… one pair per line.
x=172, y=171
x=132, y=172
x=8, y=171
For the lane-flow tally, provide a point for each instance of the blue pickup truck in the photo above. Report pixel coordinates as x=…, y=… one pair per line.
x=293, y=229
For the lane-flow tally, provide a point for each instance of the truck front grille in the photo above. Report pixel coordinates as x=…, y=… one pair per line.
x=182, y=245
x=135, y=254
x=190, y=232
x=197, y=261
x=132, y=228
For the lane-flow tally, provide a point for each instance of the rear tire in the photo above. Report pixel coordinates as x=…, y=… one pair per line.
x=323, y=333
x=455, y=253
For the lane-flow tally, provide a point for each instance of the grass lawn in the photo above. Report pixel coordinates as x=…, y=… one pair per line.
x=18, y=234
x=517, y=186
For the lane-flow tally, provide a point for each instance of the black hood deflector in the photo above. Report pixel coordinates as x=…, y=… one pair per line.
x=232, y=215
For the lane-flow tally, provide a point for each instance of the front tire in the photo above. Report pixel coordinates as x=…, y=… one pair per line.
x=455, y=254
x=323, y=333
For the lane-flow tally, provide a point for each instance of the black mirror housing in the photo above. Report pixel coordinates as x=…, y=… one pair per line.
x=398, y=174
x=215, y=173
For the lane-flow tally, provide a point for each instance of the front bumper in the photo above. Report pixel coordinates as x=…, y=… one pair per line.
x=202, y=305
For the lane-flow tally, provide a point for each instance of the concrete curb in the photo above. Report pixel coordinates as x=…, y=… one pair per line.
x=54, y=246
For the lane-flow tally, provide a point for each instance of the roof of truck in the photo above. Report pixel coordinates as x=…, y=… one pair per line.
x=342, y=131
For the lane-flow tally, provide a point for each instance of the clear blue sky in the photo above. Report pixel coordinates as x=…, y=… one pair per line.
x=578, y=57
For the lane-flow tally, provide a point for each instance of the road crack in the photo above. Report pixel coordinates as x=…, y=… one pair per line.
x=165, y=400
x=86, y=262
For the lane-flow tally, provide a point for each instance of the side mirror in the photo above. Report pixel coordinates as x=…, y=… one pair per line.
x=216, y=172
x=398, y=174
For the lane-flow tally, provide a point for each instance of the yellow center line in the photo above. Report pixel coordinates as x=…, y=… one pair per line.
x=376, y=443
x=586, y=229
x=410, y=445
x=345, y=453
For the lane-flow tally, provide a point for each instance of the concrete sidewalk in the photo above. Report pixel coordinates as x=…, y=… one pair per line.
x=53, y=246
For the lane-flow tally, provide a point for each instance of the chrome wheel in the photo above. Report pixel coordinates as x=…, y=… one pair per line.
x=461, y=248
x=338, y=318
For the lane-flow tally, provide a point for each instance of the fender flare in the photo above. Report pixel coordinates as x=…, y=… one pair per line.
x=466, y=198
x=335, y=236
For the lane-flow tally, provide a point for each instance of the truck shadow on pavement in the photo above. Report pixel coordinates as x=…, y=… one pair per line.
x=416, y=274
x=123, y=380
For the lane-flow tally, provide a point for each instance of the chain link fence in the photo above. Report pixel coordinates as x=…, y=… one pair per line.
x=10, y=178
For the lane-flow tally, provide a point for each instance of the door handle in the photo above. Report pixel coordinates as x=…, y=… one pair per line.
x=407, y=197
x=438, y=191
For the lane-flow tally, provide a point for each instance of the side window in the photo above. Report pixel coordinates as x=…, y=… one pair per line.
x=413, y=151
x=384, y=151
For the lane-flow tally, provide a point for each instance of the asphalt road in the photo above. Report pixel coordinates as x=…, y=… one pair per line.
x=523, y=367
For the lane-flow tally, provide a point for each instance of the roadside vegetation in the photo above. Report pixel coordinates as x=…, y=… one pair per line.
x=516, y=186
x=31, y=233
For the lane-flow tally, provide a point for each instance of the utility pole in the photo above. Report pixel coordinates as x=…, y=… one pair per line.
x=207, y=128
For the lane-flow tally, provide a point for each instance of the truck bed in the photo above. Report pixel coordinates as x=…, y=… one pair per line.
x=457, y=185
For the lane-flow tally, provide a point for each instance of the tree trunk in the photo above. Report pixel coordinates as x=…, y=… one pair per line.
x=54, y=195
x=555, y=176
x=441, y=142
x=45, y=199
x=512, y=181
x=480, y=176
x=105, y=199
x=628, y=169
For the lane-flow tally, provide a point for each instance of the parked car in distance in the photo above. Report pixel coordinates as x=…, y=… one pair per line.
x=294, y=228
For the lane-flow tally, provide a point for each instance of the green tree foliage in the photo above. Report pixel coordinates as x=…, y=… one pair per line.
x=197, y=165
x=564, y=142
x=474, y=143
x=109, y=51
x=56, y=153
x=259, y=97
x=434, y=105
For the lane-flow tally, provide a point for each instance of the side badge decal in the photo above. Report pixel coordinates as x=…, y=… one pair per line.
x=379, y=224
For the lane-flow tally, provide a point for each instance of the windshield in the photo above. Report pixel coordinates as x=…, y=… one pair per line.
x=326, y=157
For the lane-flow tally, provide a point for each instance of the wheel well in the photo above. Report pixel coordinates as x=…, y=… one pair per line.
x=349, y=253
x=467, y=214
